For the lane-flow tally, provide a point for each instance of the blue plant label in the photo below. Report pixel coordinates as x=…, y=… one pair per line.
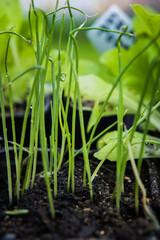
x=113, y=19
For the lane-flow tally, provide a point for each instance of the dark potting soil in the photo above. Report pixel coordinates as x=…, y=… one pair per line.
x=76, y=216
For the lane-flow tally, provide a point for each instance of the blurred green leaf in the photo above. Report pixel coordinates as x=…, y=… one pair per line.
x=17, y=212
x=136, y=74
x=108, y=146
x=151, y=19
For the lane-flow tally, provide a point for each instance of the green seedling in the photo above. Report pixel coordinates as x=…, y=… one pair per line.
x=17, y=212
x=112, y=88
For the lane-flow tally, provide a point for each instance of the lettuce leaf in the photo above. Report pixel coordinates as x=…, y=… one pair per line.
x=108, y=146
x=150, y=19
x=136, y=74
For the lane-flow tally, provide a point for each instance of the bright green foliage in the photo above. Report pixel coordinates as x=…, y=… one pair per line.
x=150, y=19
x=96, y=78
x=135, y=76
x=17, y=212
x=94, y=89
x=21, y=55
x=87, y=67
x=108, y=146
x=11, y=13
x=87, y=81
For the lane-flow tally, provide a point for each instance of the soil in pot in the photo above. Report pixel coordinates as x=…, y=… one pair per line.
x=76, y=216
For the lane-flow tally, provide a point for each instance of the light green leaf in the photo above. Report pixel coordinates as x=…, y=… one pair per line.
x=151, y=20
x=108, y=146
x=87, y=67
x=135, y=76
x=17, y=212
x=13, y=12
x=93, y=87
x=94, y=90
x=140, y=27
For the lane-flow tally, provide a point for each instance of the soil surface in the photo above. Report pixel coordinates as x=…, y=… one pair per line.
x=76, y=216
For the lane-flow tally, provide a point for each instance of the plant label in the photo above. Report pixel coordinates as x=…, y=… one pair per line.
x=113, y=19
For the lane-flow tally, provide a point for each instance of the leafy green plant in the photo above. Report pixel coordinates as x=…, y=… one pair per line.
x=128, y=67
x=41, y=32
x=21, y=54
x=19, y=51
x=109, y=141
x=102, y=75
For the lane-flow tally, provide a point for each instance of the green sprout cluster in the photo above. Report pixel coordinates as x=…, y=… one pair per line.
x=30, y=63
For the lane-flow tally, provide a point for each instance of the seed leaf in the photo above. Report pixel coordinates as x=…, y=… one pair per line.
x=17, y=212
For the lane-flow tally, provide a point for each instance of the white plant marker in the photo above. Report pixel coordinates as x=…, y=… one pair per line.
x=114, y=18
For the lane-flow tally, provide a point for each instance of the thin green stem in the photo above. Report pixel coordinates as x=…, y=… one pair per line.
x=137, y=118
x=66, y=7
x=12, y=114
x=144, y=137
x=34, y=126
x=16, y=34
x=71, y=162
x=22, y=74
x=85, y=153
x=101, y=29
x=114, y=86
x=6, y=142
x=139, y=182
x=96, y=137
x=114, y=146
x=56, y=110
x=120, y=127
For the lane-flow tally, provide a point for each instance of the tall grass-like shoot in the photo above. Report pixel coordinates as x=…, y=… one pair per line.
x=42, y=39
x=139, y=182
x=12, y=113
x=145, y=132
x=137, y=120
x=120, y=127
x=71, y=169
x=18, y=163
x=9, y=173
